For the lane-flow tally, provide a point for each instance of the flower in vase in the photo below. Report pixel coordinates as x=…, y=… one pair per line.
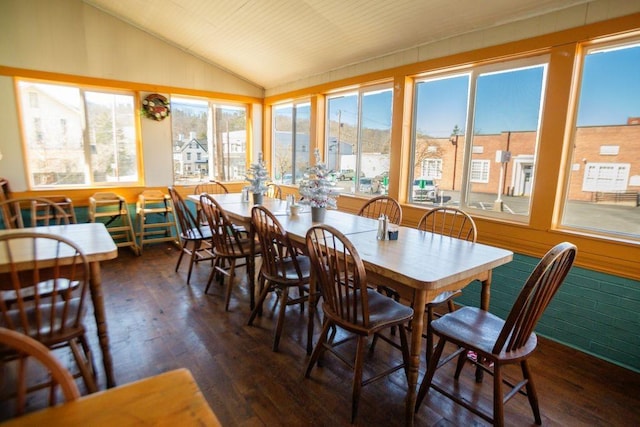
x=257, y=176
x=316, y=188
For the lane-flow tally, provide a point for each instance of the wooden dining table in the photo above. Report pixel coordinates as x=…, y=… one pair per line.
x=420, y=264
x=169, y=399
x=96, y=243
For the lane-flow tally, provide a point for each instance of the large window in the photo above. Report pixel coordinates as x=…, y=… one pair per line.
x=604, y=172
x=209, y=140
x=78, y=137
x=359, y=139
x=291, y=144
x=491, y=168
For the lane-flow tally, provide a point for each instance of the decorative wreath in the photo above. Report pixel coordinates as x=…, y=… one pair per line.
x=156, y=107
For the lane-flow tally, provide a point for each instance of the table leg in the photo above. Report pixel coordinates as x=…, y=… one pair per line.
x=251, y=269
x=312, y=311
x=485, y=297
x=417, y=326
x=101, y=322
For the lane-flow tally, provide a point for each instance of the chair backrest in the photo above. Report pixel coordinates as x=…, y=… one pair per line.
x=539, y=289
x=43, y=289
x=226, y=238
x=42, y=214
x=382, y=205
x=275, y=244
x=340, y=274
x=274, y=191
x=211, y=187
x=5, y=192
x=42, y=211
x=26, y=348
x=449, y=221
x=189, y=227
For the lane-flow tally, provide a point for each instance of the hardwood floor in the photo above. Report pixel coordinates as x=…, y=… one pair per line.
x=158, y=323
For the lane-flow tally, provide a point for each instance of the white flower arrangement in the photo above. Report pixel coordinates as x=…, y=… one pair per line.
x=258, y=176
x=316, y=189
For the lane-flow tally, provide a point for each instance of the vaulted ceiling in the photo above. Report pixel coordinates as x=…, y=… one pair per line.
x=273, y=42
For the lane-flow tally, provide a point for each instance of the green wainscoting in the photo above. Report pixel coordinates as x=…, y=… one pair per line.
x=593, y=312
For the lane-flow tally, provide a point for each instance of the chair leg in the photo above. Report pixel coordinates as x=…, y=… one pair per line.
x=531, y=392
x=429, y=332
x=319, y=348
x=87, y=376
x=194, y=254
x=498, y=402
x=284, y=297
x=357, y=376
x=432, y=365
x=462, y=359
x=227, y=297
x=404, y=346
x=181, y=255
x=258, y=308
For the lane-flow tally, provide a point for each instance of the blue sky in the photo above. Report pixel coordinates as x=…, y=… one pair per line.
x=510, y=101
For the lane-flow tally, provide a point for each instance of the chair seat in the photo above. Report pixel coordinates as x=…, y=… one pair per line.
x=383, y=312
x=193, y=234
x=45, y=288
x=290, y=272
x=478, y=330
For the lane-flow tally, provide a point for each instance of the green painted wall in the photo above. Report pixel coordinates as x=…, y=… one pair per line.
x=593, y=312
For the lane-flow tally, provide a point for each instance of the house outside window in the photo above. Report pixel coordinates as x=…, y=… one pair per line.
x=78, y=137
x=209, y=140
x=359, y=139
x=501, y=104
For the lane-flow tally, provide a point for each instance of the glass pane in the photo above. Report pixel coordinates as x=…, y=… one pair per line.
x=52, y=117
x=283, y=144
x=190, y=143
x=231, y=140
x=112, y=137
x=505, y=137
x=342, y=140
x=302, y=139
x=440, y=114
x=375, y=142
x=604, y=177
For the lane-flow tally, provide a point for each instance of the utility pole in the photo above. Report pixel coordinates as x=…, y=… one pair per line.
x=338, y=160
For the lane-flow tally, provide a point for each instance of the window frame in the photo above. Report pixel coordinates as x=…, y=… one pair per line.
x=86, y=139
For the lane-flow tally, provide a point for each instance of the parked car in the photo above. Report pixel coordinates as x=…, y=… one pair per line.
x=425, y=189
x=347, y=175
x=365, y=185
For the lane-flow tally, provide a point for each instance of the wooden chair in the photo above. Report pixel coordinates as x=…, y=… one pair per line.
x=229, y=245
x=25, y=348
x=155, y=219
x=382, y=205
x=112, y=210
x=53, y=314
x=497, y=341
x=211, y=187
x=350, y=304
x=283, y=267
x=274, y=191
x=42, y=214
x=208, y=187
x=195, y=239
x=453, y=222
x=41, y=211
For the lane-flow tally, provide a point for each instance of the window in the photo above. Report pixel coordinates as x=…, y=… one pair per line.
x=432, y=167
x=291, y=141
x=604, y=172
x=492, y=167
x=359, y=139
x=78, y=137
x=479, y=171
x=212, y=133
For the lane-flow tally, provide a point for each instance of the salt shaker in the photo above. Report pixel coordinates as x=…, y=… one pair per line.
x=382, y=227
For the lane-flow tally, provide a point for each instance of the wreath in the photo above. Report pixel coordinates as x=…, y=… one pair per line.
x=156, y=107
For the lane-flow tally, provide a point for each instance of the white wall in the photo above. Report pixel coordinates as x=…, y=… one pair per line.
x=70, y=37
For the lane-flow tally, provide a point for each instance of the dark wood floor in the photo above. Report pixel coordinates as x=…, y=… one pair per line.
x=158, y=323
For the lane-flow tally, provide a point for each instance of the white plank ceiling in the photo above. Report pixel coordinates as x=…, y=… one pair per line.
x=273, y=42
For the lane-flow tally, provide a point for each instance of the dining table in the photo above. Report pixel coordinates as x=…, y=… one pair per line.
x=419, y=264
x=168, y=399
x=96, y=243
